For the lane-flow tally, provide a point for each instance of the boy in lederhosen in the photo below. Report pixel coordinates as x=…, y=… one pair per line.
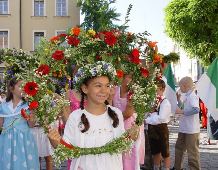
x=157, y=128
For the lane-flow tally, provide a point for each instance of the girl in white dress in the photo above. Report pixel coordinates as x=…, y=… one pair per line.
x=96, y=124
x=45, y=149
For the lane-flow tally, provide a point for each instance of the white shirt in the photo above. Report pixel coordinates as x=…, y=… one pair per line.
x=164, y=114
x=190, y=124
x=100, y=132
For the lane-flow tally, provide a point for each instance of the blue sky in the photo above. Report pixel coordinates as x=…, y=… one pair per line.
x=147, y=15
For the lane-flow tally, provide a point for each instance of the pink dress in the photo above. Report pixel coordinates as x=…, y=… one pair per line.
x=132, y=160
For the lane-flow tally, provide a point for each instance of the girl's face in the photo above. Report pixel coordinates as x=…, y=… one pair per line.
x=97, y=90
x=17, y=91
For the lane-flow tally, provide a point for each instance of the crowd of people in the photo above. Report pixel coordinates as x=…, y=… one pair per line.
x=98, y=113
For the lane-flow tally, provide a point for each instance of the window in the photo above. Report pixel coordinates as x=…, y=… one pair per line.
x=3, y=6
x=60, y=32
x=37, y=38
x=39, y=6
x=3, y=39
x=61, y=7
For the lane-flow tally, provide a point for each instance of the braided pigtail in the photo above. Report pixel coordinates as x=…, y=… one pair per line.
x=84, y=120
x=82, y=100
x=112, y=115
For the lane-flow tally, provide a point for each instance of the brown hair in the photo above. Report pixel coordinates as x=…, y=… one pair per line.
x=10, y=85
x=112, y=114
x=160, y=83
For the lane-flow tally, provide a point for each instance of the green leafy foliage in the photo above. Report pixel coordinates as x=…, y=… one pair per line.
x=118, y=145
x=193, y=24
x=98, y=14
x=171, y=57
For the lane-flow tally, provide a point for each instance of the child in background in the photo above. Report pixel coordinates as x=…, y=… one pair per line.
x=158, y=132
x=189, y=126
x=17, y=145
x=2, y=96
x=95, y=124
x=45, y=149
x=132, y=160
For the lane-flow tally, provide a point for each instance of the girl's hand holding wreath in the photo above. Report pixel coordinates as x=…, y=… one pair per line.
x=31, y=119
x=134, y=132
x=54, y=137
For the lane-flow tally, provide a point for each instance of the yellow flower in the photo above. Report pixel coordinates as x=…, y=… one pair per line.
x=91, y=32
x=49, y=92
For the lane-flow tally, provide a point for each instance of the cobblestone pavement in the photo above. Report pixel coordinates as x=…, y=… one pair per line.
x=208, y=153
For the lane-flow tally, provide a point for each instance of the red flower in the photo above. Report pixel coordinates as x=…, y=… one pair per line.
x=135, y=60
x=54, y=39
x=58, y=55
x=135, y=52
x=43, y=69
x=144, y=72
x=75, y=31
x=24, y=114
x=98, y=57
x=63, y=35
x=157, y=59
x=120, y=73
x=66, y=144
x=110, y=38
x=152, y=44
x=33, y=105
x=31, y=88
x=97, y=35
x=134, y=57
x=71, y=40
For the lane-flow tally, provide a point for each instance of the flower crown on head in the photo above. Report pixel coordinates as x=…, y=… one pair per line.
x=97, y=69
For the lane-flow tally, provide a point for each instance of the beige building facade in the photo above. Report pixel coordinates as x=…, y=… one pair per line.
x=24, y=22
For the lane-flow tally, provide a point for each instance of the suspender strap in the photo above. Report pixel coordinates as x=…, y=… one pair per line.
x=158, y=109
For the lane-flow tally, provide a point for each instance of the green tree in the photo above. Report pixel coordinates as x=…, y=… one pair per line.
x=193, y=24
x=98, y=14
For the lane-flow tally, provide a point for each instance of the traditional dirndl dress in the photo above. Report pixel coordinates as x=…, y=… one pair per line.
x=18, y=150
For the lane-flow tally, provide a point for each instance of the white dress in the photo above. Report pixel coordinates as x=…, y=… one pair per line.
x=100, y=132
x=42, y=141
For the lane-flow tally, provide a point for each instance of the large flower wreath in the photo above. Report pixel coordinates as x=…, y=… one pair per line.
x=127, y=52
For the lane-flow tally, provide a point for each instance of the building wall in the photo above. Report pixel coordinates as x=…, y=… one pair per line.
x=30, y=23
x=10, y=22
x=48, y=23
x=185, y=66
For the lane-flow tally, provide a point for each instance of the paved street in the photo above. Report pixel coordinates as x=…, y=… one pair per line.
x=208, y=153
